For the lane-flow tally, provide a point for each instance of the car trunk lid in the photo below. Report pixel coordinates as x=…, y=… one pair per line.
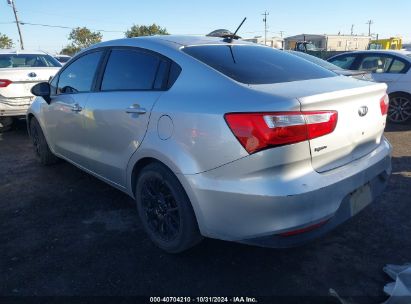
x=23, y=79
x=360, y=124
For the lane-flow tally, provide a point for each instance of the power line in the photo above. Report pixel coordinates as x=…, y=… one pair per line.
x=66, y=27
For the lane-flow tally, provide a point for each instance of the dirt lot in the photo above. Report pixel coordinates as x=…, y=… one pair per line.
x=63, y=232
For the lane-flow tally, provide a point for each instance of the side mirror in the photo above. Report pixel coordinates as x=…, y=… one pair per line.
x=42, y=89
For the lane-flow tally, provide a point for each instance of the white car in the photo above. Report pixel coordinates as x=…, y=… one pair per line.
x=19, y=72
x=390, y=67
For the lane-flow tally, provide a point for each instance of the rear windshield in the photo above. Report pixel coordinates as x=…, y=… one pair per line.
x=27, y=61
x=256, y=64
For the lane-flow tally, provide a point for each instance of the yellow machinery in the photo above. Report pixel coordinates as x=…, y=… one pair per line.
x=393, y=43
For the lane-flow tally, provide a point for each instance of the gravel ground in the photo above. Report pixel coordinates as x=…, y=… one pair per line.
x=63, y=232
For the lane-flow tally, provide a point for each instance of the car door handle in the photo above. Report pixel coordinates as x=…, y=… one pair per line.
x=76, y=108
x=135, y=108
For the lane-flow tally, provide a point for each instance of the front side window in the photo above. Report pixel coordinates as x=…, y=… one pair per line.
x=252, y=64
x=343, y=62
x=130, y=70
x=78, y=77
x=27, y=61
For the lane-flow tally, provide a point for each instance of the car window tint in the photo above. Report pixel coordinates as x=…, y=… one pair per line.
x=130, y=70
x=397, y=66
x=175, y=71
x=375, y=63
x=161, y=77
x=79, y=75
x=256, y=64
x=343, y=62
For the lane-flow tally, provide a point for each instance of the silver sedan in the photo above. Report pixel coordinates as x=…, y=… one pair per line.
x=217, y=138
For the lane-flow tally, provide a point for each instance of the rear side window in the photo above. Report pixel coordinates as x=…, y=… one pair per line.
x=130, y=70
x=175, y=71
x=397, y=67
x=344, y=62
x=256, y=64
x=79, y=75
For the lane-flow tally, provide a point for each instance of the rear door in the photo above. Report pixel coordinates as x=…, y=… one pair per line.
x=64, y=116
x=117, y=116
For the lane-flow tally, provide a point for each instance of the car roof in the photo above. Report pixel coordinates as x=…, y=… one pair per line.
x=14, y=51
x=174, y=41
x=401, y=53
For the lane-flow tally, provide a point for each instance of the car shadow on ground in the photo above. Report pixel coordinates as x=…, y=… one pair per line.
x=64, y=232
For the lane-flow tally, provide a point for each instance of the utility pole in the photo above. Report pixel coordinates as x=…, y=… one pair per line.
x=265, y=26
x=11, y=2
x=352, y=29
x=369, y=22
x=281, y=33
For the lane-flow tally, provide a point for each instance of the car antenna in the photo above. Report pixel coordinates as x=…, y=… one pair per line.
x=234, y=36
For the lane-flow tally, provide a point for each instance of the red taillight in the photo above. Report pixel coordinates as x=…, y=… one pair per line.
x=384, y=104
x=4, y=83
x=257, y=131
x=304, y=230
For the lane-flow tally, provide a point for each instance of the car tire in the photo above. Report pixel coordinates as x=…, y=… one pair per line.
x=41, y=148
x=6, y=123
x=399, y=110
x=165, y=209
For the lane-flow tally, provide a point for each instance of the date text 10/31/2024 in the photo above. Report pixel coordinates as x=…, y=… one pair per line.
x=203, y=300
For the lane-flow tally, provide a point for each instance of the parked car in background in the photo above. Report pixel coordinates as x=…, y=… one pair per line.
x=19, y=72
x=62, y=58
x=390, y=67
x=332, y=67
x=217, y=137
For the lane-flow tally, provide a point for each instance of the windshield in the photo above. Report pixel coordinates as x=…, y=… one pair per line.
x=252, y=64
x=310, y=47
x=316, y=60
x=27, y=61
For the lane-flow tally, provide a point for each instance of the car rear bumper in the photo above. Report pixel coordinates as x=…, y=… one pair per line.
x=314, y=230
x=258, y=209
x=15, y=106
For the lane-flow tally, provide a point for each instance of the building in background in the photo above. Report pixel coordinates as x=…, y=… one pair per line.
x=330, y=42
x=274, y=42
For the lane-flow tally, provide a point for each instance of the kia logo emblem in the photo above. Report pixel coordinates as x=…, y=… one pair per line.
x=362, y=111
x=32, y=74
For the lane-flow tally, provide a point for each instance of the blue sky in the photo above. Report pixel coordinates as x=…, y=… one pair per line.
x=201, y=17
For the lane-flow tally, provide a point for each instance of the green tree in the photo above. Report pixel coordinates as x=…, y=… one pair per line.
x=69, y=50
x=81, y=37
x=145, y=30
x=5, y=42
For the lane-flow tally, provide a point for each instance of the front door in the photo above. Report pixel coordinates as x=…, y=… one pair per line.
x=64, y=116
